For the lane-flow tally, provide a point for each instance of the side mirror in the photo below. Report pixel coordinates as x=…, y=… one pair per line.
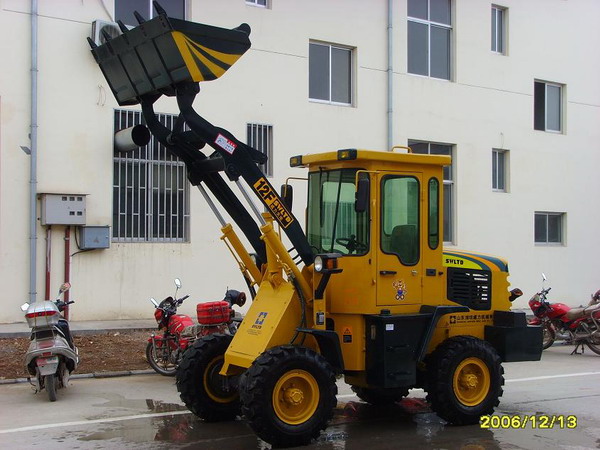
x=177, y=283
x=24, y=307
x=287, y=195
x=64, y=287
x=154, y=302
x=362, y=195
x=544, y=276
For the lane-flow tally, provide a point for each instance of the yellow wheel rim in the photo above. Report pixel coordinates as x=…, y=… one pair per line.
x=471, y=381
x=212, y=382
x=296, y=397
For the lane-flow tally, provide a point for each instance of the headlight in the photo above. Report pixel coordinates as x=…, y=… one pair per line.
x=318, y=264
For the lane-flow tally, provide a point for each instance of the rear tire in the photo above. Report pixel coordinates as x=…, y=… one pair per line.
x=288, y=395
x=548, y=334
x=593, y=342
x=378, y=396
x=50, y=384
x=464, y=380
x=159, y=359
x=207, y=394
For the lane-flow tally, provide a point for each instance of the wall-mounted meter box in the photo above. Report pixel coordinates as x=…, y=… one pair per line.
x=93, y=237
x=63, y=209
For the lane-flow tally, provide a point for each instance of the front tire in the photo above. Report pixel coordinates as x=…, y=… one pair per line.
x=50, y=384
x=378, y=396
x=159, y=358
x=548, y=334
x=464, y=380
x=593, y=342
x=288, y=395
x=207, y=394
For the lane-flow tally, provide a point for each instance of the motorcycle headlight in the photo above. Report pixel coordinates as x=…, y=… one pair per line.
x=318, y=264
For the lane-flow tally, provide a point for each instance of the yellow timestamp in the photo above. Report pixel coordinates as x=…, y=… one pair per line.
x=539, y=422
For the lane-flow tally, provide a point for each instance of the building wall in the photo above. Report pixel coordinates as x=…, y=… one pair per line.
x=488, y=104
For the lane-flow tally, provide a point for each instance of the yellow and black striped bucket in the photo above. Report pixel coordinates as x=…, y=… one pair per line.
x=156, y=55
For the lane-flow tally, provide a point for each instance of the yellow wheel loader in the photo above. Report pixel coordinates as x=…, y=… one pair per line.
x=366, y=292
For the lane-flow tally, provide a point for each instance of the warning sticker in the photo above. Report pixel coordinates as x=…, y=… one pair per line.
x=470, y=318
x=347, y=335
x=266, y=192
x=225, y=144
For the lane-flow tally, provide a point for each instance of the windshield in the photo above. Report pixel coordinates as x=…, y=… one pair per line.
x=333, y=224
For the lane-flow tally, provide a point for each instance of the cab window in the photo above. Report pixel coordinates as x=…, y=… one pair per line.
x=400, y=218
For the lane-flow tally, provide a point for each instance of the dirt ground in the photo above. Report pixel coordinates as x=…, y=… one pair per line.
x=114, y=351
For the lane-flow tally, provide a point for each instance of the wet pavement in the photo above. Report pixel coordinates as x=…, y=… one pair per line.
x=145, y=412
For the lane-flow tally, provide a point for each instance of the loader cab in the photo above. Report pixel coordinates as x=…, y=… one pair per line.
x=387, y=247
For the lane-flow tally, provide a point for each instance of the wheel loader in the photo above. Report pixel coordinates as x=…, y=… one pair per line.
x=367, y=291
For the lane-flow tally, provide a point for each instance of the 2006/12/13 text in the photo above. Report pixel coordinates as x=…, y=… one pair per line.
x=541, y=422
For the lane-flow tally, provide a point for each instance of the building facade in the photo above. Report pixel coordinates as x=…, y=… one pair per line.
x=510, y=90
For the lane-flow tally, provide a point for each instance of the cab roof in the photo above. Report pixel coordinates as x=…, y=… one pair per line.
x=368, y=157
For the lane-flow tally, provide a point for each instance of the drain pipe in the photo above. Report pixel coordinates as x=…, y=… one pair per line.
x=390, y=76
x=33, y=160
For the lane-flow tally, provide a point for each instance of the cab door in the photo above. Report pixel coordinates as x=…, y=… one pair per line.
x=399, y=256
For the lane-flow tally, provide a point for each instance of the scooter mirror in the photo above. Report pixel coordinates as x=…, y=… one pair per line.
x=154, y=302
x=64, y=287
x=178, y=283
x=24, y=307
x=544, y=276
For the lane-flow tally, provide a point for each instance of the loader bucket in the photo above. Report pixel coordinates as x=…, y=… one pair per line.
x=156, y=55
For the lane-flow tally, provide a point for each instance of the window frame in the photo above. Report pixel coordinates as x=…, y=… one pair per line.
x=447, y=183
x=258, y=5
x=496, y=171
x=268, y=167
x=382, y=231
x=547, y=215
x=500, y=31
x=435, y=223
x=430, y=23
x=351, y=74
x=150, y=10
x=148, y=160
x=560, y=107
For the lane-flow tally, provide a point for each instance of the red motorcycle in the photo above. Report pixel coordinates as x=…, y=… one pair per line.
x=178, y=331
x=578, y=326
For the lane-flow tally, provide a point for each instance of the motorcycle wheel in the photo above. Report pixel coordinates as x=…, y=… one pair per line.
x=159, y=359
x=593, y=342
x=548, y=336
x=50, y=383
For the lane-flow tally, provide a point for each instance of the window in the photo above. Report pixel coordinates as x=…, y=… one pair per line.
x=499, y=170
x=330, y=73
x=260, y=137
x=498, y=29
x=434, y=213
x=260, y=3
x=429, y=38
x=333, y=224
x=441, y=149
x=150, y=190
x=400, y=218
x=547, y=106
x=549, y=227
x=124, y=9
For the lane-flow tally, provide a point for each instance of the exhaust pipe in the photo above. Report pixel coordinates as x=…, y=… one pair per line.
x=132, y=138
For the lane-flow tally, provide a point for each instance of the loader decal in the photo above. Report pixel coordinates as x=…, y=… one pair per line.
x=266, y=192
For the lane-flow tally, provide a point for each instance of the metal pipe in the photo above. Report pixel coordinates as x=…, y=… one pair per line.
x=48, y=261
x=33, y=160
x=212, y=205
x=250, y=202
x=67, y=269
x=390, y=76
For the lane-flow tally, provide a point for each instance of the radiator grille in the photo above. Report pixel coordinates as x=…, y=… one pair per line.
x=470, y=288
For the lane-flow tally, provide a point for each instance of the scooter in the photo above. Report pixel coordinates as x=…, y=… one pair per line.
x=578, y=326
x=179, y=331
x=52, y=355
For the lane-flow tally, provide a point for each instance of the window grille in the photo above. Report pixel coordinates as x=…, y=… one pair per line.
x=260, y=137
x=150, y=189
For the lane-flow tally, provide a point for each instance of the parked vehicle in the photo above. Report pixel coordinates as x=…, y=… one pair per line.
x=51, y=355
x=578, y=326
x=164, y=351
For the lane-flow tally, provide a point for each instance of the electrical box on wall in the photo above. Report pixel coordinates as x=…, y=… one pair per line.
x=94, y=237
x=63, y=209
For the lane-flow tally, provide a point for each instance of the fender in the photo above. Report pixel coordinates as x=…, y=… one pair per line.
x=329, y=344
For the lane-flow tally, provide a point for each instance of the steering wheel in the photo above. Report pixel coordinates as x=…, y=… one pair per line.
x=352, y=244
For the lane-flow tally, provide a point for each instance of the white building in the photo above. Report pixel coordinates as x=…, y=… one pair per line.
x=511, y=90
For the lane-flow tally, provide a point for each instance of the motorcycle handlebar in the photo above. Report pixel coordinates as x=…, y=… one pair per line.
x=180, y=301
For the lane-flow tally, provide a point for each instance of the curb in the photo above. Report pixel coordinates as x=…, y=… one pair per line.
x=120, y=373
